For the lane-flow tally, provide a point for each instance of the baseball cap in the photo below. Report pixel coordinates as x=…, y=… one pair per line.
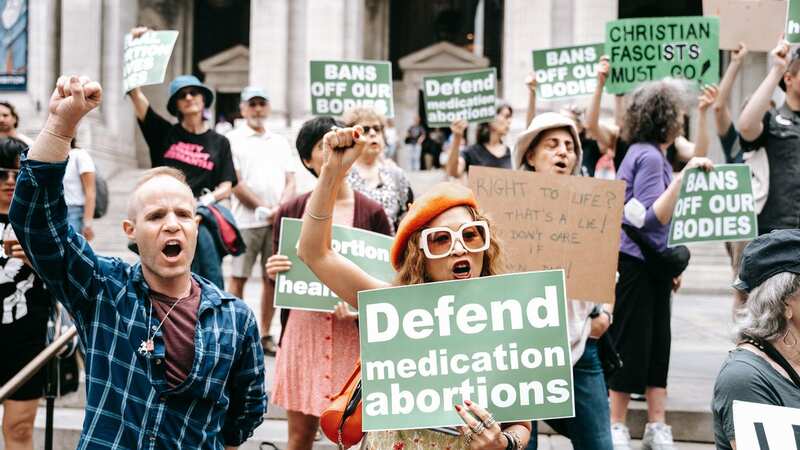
x=768, y=255
x=253, y=92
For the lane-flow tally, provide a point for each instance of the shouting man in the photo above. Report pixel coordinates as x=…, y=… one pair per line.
x=171, y=360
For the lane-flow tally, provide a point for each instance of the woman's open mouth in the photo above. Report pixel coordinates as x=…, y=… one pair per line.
x=461, y=270
x=561, y=165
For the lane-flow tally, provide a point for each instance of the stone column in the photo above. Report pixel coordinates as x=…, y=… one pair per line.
x=269, y=51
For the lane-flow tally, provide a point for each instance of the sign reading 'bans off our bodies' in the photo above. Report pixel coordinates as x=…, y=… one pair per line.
x=145, y=59
x=467, y=95
x=499, y=341
x=567, y=71
x=556, y=221
x=651, y=49
x=715, y=206
x=337, y=86
x=299, y=288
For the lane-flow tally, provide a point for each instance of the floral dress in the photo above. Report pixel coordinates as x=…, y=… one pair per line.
x=392, y=192
x=412, y=440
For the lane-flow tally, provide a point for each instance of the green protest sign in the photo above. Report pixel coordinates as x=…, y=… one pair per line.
x=793, y=21
x=337, y=86
x=651, y=49
x=299, y=288
x=465, y=95
x=715, y=206
x=500, y=341
x=145, y=59
x=567, y=71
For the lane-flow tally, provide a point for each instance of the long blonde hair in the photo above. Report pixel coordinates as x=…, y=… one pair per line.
x=412, y=269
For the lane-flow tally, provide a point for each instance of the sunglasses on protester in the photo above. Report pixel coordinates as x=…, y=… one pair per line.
x=190, y=91
x=4, y=173
x=367, y=128
x=439, y=242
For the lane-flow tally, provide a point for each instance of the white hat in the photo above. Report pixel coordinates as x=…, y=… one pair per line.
x=543, y=122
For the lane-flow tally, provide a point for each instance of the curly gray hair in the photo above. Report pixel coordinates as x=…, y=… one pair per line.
x=654, y=112
x=763, y=315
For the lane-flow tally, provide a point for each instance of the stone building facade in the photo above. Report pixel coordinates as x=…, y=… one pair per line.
x=269, y=43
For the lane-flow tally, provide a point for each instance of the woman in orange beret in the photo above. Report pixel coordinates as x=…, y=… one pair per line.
x=442, y=237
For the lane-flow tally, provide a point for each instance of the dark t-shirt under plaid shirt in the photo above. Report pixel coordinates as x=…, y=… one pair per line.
x=129, y=403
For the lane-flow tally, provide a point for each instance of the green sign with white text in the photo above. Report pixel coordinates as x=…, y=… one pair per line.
x=337, y=86
x=145, y=59
x=499, y=341
x=793, y=21
x=567, y=71
x=466, y=95
x=651, y=49
x=715, y=206
x=299, y=288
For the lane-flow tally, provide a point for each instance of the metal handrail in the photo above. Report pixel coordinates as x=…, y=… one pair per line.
x=30, y=369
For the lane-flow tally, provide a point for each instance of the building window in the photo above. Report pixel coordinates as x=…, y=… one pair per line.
x=629, y=9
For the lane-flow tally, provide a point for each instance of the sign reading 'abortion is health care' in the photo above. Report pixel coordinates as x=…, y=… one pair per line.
x=499, y=341
x=337, y=86
x=299, y=288
x=651, y=49
x=145, y=59
x=468, y=95
x=715, y=206
x=567, y=71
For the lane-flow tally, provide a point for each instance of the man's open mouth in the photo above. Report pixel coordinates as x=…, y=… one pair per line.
x=172, y=249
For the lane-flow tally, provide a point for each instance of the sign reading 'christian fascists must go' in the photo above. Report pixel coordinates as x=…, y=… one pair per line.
x=337, y=86
x=651, y=49
x=499, y=341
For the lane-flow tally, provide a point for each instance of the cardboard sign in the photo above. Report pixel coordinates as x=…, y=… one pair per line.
x=715, y=206
x=746, y=21
x=651, y=49
x=567, y=71
x=793, y=21
x=466, y=95
x=765, y=427
x=337, y=86
x=556, y=221
x=498, y=341
x=146, y=58
x=299, y=288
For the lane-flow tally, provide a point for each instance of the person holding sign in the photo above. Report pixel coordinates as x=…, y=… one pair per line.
x=641, y=328
x=776, y=131
x=443, y=237
x=489, y=151
x=552, y=145
x=373, y=175
x=764, y=366
x=317, y=350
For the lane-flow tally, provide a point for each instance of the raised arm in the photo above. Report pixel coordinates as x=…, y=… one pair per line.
x=750, y=122
x=530, y=81
x=665, y=203
x=722, y=113
x=38, y=213
x=706, y=99
x=455, y=163
x=341, y=148
x=601, y=134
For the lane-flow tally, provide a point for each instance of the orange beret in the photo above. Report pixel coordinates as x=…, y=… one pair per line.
x=437, y=200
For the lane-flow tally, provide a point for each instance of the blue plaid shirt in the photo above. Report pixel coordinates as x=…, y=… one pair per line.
x=128, y=402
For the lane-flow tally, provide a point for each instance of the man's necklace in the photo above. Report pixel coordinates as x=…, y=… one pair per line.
x=146, y=347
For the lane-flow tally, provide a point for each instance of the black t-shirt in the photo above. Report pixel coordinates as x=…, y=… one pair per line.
x=591, y=154
x=479, y=155
x=730, y=146
x=26, y=302
x=205, y=158
x=620, y=150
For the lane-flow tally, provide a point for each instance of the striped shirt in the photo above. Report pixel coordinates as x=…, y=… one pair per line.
x=128, y=402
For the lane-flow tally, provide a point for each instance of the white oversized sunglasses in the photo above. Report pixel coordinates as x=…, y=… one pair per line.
x=439, y=242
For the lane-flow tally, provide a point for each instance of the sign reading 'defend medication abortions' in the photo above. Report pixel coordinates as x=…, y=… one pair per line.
x=145, y=58
x=299, y=288
x=467, y=95
x=337, y=86
x=567, y=71
x=715, y=206
x=651, y=49
x=499, y=341
x=793, y=21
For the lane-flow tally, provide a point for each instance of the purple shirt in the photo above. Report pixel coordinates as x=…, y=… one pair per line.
x=646, y=173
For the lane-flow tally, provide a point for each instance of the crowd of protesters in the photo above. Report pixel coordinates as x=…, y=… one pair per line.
x=209, y=195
